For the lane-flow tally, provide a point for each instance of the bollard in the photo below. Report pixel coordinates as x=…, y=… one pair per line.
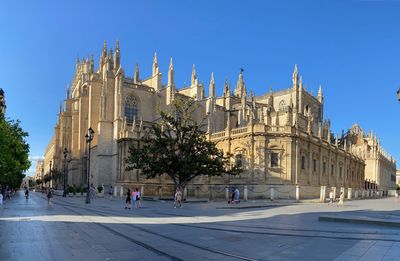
x=226, y=193
x=272, y=194
x=297, y=193
x=334, y=193
x=121, y=192
x=349, y=193
x=185, y=193
x=142, y=191
x=115, y=191
x=322, y=194
x=245, y=193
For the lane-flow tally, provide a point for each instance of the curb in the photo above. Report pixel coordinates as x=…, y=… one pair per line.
x=368, y=221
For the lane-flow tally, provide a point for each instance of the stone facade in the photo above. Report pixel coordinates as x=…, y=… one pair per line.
x=280, y=138
x=2, y=102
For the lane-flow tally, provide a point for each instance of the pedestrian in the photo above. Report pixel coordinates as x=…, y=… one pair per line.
x=237, y=196
x=110, y=192
x=178, y=198
x=331, y=200
x=232, y=196
x=128, y=199
x=341, y=199
x=133, y=196
x=138, y=198
x=49, y=196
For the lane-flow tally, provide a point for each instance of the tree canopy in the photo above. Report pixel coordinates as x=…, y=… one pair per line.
x=177, y=146
x=14, y=152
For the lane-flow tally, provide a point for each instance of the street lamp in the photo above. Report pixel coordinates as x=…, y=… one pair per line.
x=65, y=170
x=42, y=175
x=50, y=175
x=89, y=138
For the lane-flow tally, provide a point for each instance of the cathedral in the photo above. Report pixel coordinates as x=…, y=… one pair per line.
x=280, y=139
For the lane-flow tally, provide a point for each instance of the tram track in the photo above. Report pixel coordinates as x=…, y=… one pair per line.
x=289, y=232
x=145, y=245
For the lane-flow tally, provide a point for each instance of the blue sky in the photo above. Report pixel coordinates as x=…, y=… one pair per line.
x=351, y=48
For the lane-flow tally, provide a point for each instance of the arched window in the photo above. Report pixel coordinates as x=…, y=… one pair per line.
x=239, y=160
x=282, y=105
x=131, y=109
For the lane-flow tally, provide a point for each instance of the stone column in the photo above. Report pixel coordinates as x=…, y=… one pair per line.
x=185, y=193
x=115, y=191
x=322, y=194
x=121, y=192
x=297, y=192
x=245, y=193
x=334, y=193
x=349, y=193
x=142, y=191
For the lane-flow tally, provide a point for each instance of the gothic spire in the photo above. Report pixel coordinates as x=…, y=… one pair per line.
x=211, y=89
x=226, y=89
x=240, y=87
x=320, y=97
x=194, y=76
x=155, y=64
x=171, y=73
x=136, y=76
x=117, y=56
x=295, y=77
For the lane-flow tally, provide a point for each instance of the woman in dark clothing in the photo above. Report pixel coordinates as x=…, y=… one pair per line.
x=128, y=199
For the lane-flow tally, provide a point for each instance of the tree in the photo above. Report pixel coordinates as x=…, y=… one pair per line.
x=177, y=146
x=14, y=154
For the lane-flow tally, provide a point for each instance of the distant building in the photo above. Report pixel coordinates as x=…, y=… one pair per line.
x=279, y=138
x=2, y=101
x=398, y=176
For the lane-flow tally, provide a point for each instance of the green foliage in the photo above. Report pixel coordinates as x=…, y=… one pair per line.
x=39, y=182
x=177, y=146
x=46, y=178
x=70, y=189
x=14, y=154
x=99, y=189
x=32, y=183
x=84, y=189
x=78, y=190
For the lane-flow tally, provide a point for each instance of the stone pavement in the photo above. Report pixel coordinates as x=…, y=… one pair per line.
x=255, y=230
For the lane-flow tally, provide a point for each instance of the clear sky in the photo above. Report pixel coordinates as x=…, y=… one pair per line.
x=351, y=48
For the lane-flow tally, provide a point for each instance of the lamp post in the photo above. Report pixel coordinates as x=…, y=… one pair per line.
x=42, y=175
x=89, y=138
x=51, y=177
x=65, y=170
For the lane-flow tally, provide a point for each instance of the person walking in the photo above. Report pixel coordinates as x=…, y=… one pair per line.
x=138, y=198
x=133, y=196
x=110, y=192
x=341, y=199
x=49, y=196
x=330, y=198
x=128, y=199
x=178, y=198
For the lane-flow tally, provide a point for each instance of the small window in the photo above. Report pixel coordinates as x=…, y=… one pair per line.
x=131, y=109
x=332, y=169
x=238, y=160
x=315, y=165
x=340, y=171
x=274, y=159
x=324, y=167
x=303, y=162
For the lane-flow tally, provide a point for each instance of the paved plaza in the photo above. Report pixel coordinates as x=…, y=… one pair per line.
x=254, y=230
